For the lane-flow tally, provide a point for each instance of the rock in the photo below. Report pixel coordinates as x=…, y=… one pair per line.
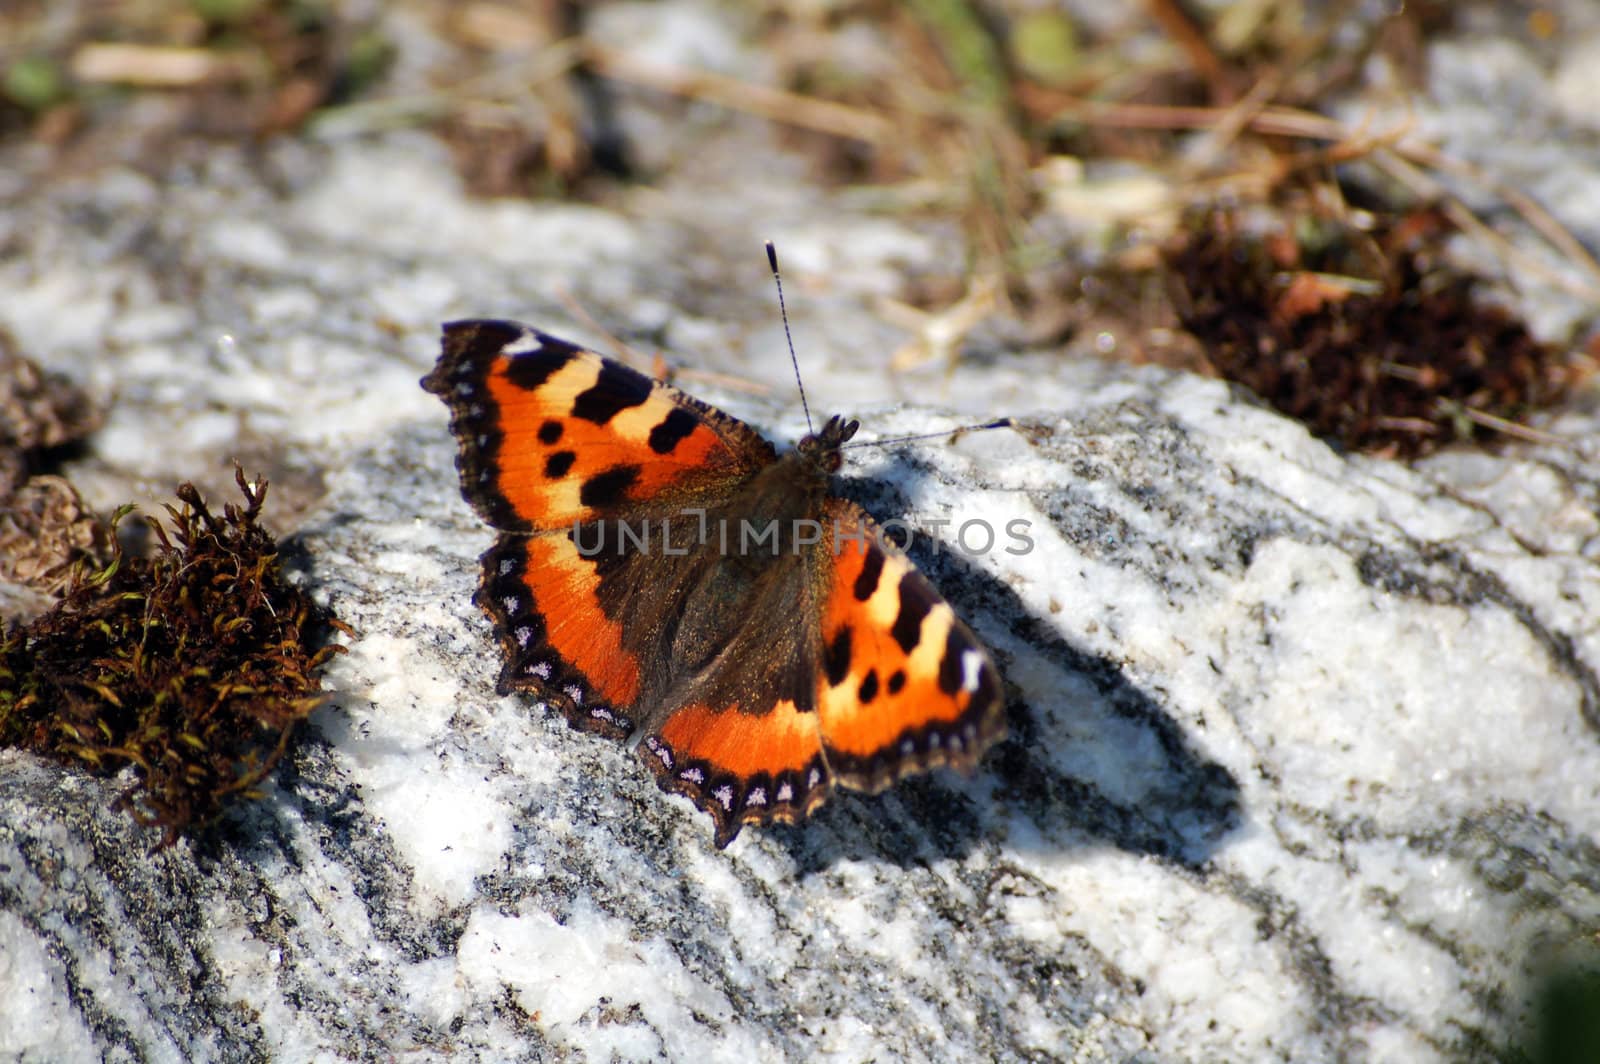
x=1304, y=757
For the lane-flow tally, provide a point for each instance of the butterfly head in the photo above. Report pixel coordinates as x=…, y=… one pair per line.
x=821, y=449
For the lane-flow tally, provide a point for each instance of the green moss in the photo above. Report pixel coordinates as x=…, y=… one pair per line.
x=34, y=83
x=1044, y=45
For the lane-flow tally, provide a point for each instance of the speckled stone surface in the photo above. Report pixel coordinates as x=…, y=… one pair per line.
x=1304, y=759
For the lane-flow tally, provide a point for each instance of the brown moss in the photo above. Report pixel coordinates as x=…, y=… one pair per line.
x=45, y=533
x=45, y=530
x=555, y=134
x=193, y=665
x=1365, y=335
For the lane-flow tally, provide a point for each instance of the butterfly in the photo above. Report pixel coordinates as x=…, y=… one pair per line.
x=665, y=577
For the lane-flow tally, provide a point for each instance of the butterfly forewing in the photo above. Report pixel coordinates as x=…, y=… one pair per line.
x=552, y=434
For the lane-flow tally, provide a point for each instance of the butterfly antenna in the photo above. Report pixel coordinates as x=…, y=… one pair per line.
x=772, y=260
x=999, y=423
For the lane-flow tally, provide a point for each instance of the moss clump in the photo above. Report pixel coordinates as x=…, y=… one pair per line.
x=193, y=664
x=1369, y=337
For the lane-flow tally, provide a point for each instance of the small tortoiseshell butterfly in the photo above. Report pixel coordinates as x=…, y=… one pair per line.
x=665, y=577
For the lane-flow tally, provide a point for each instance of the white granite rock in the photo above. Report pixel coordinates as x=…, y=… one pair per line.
x=1305, y=752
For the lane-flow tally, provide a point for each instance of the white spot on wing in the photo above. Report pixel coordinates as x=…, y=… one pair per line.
x=971, y=666
x=526, y=344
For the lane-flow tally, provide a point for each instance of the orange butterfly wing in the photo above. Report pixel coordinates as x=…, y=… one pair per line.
x=551, y=434
x=905, y=685
x=879, y=680
x=902, y=686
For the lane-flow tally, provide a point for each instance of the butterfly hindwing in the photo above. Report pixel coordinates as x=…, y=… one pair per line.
x=742, y=767
x=543, y=598
x=901, y=685
x=611, y=638
x=904, y=685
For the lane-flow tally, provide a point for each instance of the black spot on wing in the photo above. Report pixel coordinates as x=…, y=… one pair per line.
x=916, y=600
x=836, y=657
x=531, y=369
x=988, y=692
x=559, y=464
x=672, y=430
x=956, y=646
x=897, y=681
x=616, y=389
x=550, y=432
x=871, y=570
x=869, y=687
x=608, y=488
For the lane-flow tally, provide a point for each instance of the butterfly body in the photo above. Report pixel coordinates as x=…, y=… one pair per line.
x=665, y=577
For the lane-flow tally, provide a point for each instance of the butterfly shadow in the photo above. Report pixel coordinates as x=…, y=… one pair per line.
x=1091, y=759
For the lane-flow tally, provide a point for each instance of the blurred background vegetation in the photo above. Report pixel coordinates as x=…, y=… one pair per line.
x=1168, y=178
